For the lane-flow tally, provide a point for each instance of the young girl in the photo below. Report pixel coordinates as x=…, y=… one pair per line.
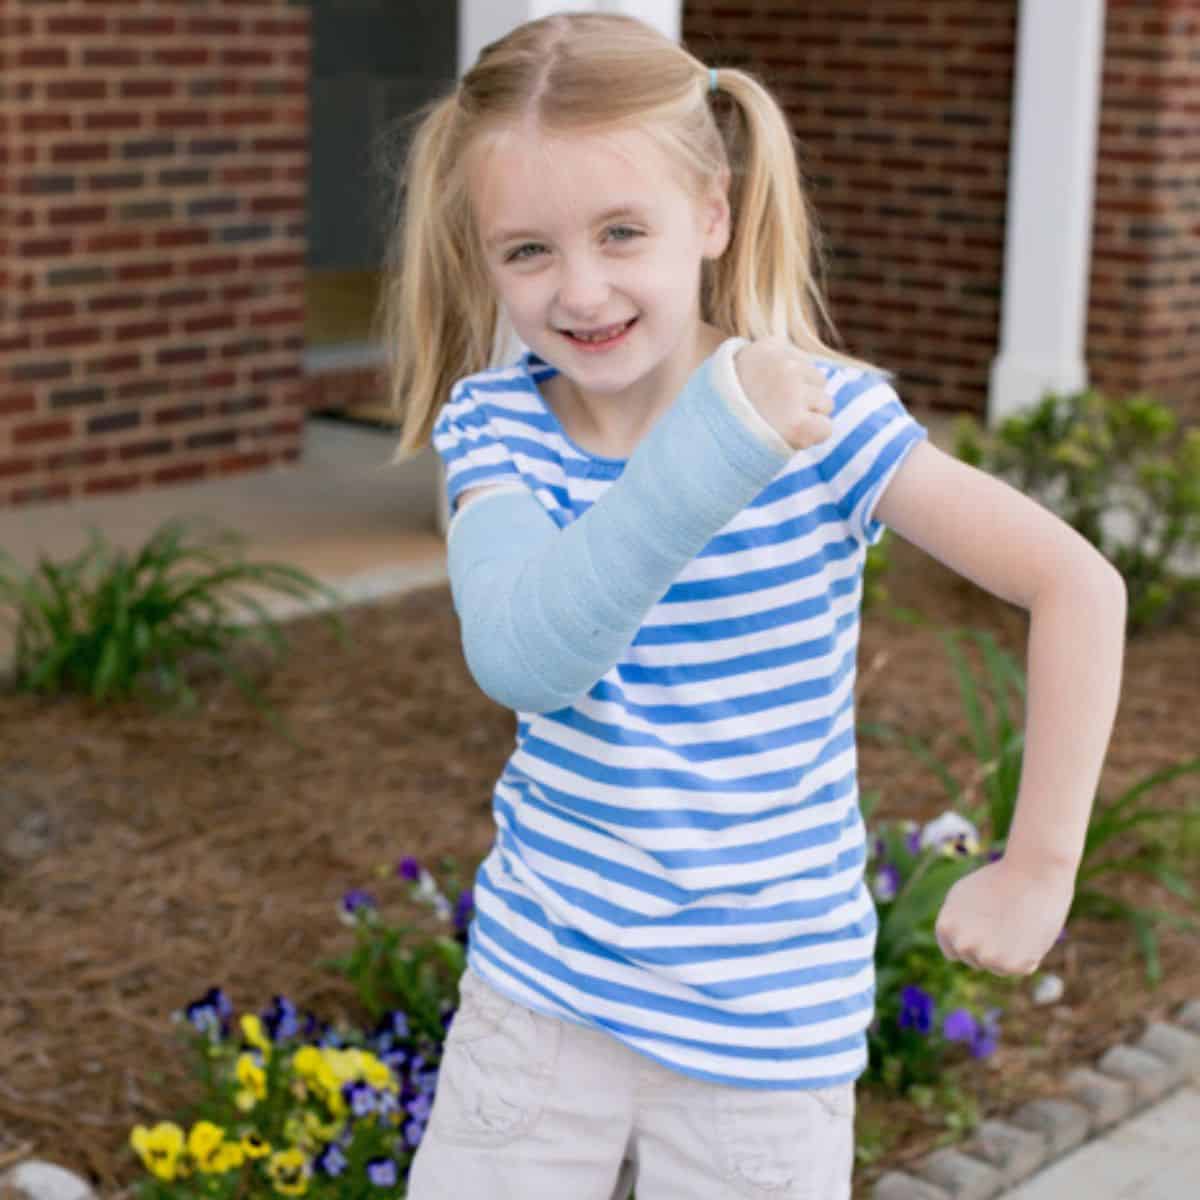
x=660, y=515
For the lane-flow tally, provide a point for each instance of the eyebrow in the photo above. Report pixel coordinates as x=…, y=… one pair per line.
x=620, y=210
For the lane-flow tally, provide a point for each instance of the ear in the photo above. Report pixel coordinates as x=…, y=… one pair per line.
x=716, y=227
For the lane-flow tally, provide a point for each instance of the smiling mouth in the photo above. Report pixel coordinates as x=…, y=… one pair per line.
x=595, y=336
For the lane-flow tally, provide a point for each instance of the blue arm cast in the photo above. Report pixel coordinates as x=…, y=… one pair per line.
x=545, y=612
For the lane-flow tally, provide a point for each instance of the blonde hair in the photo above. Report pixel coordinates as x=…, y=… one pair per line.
x=570, y=72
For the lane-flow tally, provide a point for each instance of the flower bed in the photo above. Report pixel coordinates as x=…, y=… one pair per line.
x=149, y=857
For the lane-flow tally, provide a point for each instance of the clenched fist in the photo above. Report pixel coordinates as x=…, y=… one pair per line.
x=787, y=390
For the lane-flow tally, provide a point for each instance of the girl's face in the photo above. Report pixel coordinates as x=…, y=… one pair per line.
x=593, y=234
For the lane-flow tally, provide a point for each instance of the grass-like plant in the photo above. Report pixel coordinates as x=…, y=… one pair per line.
x=988, y=796
x=1090, y=458
x=112, y=624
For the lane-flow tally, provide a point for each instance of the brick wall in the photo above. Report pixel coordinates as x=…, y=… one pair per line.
x=153, y=173
x=1144, y=311
x=901, y=110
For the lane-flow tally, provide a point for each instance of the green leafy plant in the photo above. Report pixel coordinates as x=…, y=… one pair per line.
x=927, y=1009
x=1090, y=459
x=395, y=964
x=111, y=624
x=988, y=795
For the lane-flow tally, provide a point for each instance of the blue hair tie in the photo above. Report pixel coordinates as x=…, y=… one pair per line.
x=712, y=79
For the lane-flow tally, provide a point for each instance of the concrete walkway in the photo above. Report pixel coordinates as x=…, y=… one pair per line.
x=1153, y=1156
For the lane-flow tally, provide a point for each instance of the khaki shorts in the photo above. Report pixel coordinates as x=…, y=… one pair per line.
x=529, y=1107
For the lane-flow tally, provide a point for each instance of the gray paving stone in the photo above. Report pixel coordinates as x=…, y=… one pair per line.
x=1106, y=1097
x=1189, y=1016
x=960, y=1175
x=895, y=1185
x=1063, y=1123
x=1014, y=1152
x=1173, y=1044
x=1151, y=1077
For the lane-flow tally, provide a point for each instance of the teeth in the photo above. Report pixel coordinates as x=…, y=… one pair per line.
x=601, y=335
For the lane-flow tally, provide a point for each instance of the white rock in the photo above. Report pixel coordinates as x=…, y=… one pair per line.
x=43, y=1181
x=1047, y=990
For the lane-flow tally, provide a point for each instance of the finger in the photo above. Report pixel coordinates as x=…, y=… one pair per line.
x=809, y=429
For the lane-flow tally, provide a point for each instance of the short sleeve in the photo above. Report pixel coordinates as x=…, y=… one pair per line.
x=472, y=452
x=872, y=434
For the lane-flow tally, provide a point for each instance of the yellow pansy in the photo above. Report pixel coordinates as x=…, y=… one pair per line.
x=253, y=1146
x=228, y=1157
x=252, y=1031
x=251, y=1075
x=322, y=1131
x=159, y=1148
x=297, y=1133
x=306, y=1062
x=378, y=1075
x=317, y=1070
x=203, y=1143
x=288, y=1170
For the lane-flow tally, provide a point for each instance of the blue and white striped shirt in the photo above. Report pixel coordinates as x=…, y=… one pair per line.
x=679, y=854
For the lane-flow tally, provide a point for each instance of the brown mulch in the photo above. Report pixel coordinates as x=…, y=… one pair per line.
x=145, y=858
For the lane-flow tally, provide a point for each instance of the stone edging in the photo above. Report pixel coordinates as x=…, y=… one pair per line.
x=1000, y=1154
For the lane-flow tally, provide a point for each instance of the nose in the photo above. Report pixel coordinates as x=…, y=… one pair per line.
x=582, y=286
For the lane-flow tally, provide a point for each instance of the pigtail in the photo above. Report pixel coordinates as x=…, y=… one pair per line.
x=437, y=314
x=767, y=283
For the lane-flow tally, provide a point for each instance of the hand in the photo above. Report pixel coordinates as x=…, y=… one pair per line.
x=787, y=390
x=1005, y=917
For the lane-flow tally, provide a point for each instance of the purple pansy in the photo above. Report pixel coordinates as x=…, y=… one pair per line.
x=959, y=1026
x=987, y=1035
x=464, y=908
x=331, y=1161
x=360, y=1099
x=382, y=1172
x=408, y=868
x=887, y=882
x=356, y=900
x=281, y=1020
x=916, y=1009
x=211, y=1014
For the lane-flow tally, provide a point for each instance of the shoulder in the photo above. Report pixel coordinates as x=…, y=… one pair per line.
x=472, y=396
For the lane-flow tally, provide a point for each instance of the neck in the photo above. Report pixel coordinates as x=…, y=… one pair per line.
x=621, y=421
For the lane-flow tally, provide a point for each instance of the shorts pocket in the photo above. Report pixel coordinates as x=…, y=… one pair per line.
x=787, y=1144
x=496, y=1066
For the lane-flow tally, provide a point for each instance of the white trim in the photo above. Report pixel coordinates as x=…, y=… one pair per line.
x=1056, y=113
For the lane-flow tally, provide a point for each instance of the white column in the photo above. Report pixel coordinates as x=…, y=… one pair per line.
x=483, y=21
x=665, y=15
x=1056, y=107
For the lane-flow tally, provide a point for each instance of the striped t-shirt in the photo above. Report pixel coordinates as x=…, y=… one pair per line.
x=679, y=854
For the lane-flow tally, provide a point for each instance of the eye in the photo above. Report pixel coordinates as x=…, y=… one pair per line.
x=627, y=231
x=519, y=255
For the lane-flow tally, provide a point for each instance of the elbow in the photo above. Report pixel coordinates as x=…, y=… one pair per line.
x=1100, y=588
x=509, y=685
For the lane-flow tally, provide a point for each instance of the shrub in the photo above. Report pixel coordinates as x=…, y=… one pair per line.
x=1101, y=463
x=112, y=624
